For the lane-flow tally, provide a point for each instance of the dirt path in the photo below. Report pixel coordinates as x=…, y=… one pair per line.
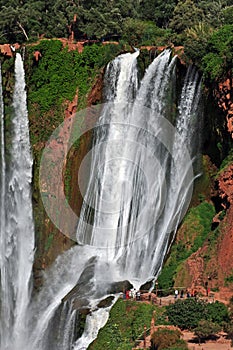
x=220, y=344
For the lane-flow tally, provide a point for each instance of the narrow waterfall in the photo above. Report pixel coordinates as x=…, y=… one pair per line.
x=17, y=234
x=5, y=311
x=188, y=120
x=121, y=76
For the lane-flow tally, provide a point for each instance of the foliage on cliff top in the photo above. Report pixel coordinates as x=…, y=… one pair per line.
x=56, y=77
x=185, y=22
x=219, y=53
x=137, y=32
x=60, y=72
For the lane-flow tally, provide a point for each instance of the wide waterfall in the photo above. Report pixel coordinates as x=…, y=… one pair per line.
x=17, y=227
x=139, y=189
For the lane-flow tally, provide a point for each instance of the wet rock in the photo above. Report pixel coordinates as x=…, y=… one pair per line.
x=118, y=287
x=84, y=286
x=105, y=302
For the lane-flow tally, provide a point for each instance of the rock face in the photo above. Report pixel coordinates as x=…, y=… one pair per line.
x=224, y=95
x=8, y=50
x=225, y=184
x=47, y=253
x=213, y=263
x=225, y=246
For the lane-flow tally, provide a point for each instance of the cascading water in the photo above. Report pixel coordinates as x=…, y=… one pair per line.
x=17, y=228
x=5, y=311
x=137, y=194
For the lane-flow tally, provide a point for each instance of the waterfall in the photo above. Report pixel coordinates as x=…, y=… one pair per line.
x=5, y=311
x=17, y=234
x=188, y=121
x=122, y=74
x=139, y=189
x=135, y=211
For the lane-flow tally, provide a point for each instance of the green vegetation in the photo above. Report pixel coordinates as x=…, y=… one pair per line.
x=137, y=32
x=49, y=241
x=203, y=27
x=195, y=228
x=59, y=72
x=226, y=162
x=189, y=13
x=228, y=280
x=206, y=329
x=188, y=313
x=168, y=339
x=125, y=325
x=128, y=318
x=219, y=53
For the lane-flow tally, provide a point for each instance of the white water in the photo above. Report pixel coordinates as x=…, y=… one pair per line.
x=137, y=202
x=137, y=194
x=140, y=186
x=17, y=228
x=5, y=311
x=94, y=322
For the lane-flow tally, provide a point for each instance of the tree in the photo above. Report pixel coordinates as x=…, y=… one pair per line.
x=187, y=313
x=212, y=12
x=227, y=14
x=206, y=329
x=217, y=61
x=137, y=32
x=186, y=14
x=217, y=313
x=196, y=40
x=98, y=22
x=15, y=20
x=158, y=11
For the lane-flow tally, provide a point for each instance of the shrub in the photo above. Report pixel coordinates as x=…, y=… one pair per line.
x=188, y=313
x=217, y=312
x=165, y=338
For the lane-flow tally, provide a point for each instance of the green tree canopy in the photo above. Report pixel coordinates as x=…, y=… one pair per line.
x=188, y=313
x=206, y=329
x=186, y=14
x=158, y=11
x=218, y=59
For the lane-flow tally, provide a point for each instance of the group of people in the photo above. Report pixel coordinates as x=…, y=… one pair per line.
x=189, y=294
x=132, y=294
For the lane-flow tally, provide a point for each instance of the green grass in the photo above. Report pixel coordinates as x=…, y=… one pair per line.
x=193, y=233
x=49, y=241
x=125, y=325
